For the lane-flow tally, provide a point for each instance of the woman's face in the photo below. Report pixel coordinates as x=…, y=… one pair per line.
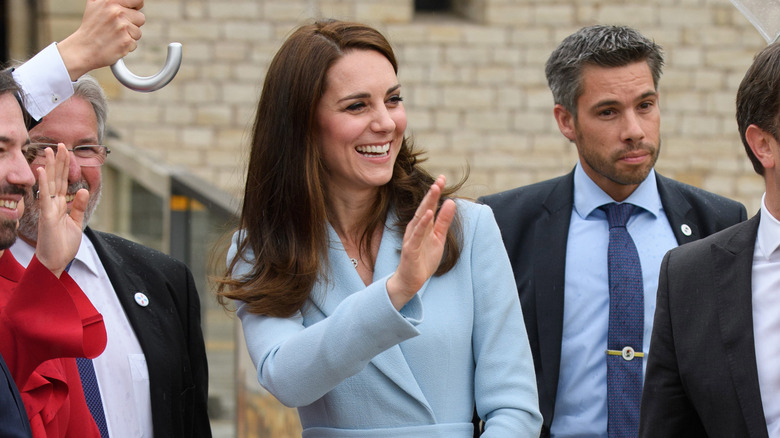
x=361, y=121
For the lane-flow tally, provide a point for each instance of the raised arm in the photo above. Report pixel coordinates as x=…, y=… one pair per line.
x=109, y=30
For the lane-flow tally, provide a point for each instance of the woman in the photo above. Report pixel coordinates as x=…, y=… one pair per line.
x=360, y=304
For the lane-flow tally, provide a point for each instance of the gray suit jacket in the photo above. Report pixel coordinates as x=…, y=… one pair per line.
x=534, y=222
x=702, y=378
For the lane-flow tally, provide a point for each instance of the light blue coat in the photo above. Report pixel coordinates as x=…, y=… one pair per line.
x=356, y=367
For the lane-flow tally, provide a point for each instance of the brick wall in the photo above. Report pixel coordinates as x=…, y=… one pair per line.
x=474, y=86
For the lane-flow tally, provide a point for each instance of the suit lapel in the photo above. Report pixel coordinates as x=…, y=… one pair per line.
x=344, y=280
x=679, y=212
x=145, y=320
x=732, y=265
x=550, y=238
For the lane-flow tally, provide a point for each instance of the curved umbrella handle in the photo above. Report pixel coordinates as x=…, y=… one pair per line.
x=150, y=83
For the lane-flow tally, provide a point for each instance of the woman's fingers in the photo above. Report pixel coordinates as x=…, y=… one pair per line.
x=444, y=218
x=429, y=201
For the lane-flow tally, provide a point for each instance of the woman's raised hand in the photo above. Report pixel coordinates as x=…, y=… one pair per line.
x=423, y=246
x=59, y=233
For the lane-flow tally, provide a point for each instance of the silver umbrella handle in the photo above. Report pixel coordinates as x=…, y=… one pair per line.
x=150, y=83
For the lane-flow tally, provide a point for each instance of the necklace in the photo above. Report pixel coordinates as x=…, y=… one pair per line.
x=354, y=262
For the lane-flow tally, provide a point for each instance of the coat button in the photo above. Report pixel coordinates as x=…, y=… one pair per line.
x=685, y=229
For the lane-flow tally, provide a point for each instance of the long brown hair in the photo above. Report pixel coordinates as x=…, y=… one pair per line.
x=284, y=214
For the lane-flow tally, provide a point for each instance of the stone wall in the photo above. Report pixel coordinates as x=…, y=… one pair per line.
x=474, y=85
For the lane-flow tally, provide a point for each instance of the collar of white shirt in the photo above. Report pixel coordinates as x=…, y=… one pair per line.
x=768, y=238
x=86, y=255
x=588, y=196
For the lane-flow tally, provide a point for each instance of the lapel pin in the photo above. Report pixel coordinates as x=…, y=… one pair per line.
x=685, y=229
x=141, y=299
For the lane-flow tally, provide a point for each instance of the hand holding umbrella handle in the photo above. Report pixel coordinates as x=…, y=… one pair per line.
x=150, y=83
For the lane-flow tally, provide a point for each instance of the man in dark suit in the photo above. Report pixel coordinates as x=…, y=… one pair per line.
x=153, y=376
x=604, y=81
x=714, y=369
x=13, y=419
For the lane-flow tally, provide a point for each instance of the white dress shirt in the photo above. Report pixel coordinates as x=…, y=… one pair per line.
x=121, y=369
x=766, y=315
x=45, y=82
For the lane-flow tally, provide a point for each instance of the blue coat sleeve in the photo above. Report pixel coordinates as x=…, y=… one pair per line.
x=504, y=378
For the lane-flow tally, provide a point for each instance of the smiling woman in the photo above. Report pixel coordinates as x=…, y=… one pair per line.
x=345, y=241
x=361, y=123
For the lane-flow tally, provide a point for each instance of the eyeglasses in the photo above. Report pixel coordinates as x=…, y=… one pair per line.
x=86, y=155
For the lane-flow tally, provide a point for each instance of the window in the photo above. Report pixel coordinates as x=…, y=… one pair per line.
x=432, y=5
x=4, y=56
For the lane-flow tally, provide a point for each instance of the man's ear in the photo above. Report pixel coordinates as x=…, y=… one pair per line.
x=565, y=121
x=760, y=143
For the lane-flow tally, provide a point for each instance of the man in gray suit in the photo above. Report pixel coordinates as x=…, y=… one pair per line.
x=715, y=346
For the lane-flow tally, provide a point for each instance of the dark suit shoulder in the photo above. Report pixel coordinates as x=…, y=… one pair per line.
x=703, y=201
x=732, y=238
x=532, y=193
x=518, y=207
x=134, y=252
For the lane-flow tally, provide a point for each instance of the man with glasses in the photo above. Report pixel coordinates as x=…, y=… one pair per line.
x=152, y=377
x=87, y=155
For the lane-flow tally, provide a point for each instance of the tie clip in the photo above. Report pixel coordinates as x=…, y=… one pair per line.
x=628, y=353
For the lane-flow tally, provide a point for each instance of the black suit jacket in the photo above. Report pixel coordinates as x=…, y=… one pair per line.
x=702, y=379
x=534, y=222
x=168, y=330
x=13, y=417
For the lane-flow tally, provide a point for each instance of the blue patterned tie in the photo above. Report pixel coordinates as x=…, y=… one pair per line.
x=626, y=326
x=91, y=390
x=92, y=394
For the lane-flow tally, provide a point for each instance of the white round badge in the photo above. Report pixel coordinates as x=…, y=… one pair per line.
x=141, y=299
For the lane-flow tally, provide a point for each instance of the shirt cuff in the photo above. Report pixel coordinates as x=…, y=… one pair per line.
x=45, y=82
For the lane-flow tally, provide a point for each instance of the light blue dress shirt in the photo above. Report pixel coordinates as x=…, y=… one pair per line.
x=581, y=402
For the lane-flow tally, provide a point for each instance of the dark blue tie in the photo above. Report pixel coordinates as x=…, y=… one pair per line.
x=92, y=394
x=91, y=389
x=626, y=326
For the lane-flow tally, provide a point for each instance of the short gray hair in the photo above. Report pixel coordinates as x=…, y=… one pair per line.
x=602, y=46
x=88, y=88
